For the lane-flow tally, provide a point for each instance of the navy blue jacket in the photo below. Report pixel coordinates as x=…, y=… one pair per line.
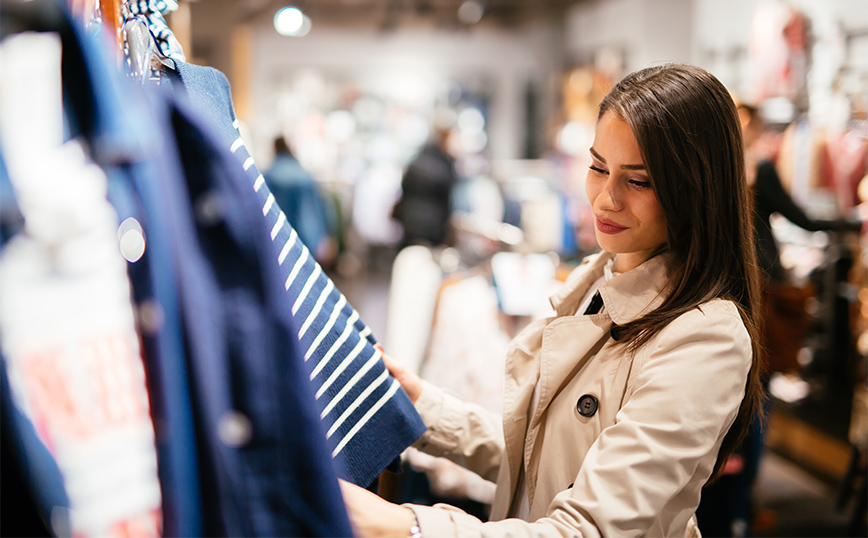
x=241, y=449
x=369, y=419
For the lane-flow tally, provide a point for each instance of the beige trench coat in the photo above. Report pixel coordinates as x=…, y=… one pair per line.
x=636, y=466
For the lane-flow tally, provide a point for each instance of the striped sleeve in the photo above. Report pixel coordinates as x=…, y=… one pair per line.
x=368, y=420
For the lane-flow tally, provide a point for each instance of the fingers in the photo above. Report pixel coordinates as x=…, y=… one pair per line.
x=373, y=516
x=411, y=383
x=396, y=368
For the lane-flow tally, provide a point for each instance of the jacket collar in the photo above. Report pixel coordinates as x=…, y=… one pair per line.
x=627, y=296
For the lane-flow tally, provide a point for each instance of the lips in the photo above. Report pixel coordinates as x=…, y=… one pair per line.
x=609, y=226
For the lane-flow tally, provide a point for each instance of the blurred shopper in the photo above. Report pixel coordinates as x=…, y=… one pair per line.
x=299, y=196
x=727, y=505
x=424, y=207
x=623, y=405
x=771, y=197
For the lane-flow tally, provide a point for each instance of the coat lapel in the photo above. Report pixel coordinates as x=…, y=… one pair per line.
x=551, y=351
x=568, y=343
x=521, y=365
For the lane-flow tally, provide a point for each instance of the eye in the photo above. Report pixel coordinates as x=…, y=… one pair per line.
x=597, y=170
x=641, y=184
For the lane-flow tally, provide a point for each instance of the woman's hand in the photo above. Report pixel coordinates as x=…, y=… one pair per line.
x=374, y=517
x=411, y=382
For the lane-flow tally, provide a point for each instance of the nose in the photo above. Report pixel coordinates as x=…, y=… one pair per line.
x=609, y=198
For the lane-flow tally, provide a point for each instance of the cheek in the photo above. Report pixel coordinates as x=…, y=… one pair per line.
x=591, y=189
x=657, y=220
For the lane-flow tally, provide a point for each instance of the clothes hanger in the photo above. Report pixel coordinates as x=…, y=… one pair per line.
x=145, y=60
x=139, y=48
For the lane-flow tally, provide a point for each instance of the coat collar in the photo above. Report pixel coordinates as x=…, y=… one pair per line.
x=627, y=296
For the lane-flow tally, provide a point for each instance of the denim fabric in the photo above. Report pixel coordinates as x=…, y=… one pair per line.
x=11, y=220
x=369, y=419
x=123, y=140
x=265, y=441
x=30, y=476
x=232, y=414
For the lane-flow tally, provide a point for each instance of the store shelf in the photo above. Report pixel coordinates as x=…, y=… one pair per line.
x=811, y=448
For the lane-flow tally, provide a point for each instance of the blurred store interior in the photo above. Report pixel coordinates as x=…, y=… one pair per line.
x=356, y=89
x=359, y=91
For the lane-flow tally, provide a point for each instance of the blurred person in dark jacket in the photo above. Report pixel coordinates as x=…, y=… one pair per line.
x=771, y=197
x=424, y=207
x=299, y=196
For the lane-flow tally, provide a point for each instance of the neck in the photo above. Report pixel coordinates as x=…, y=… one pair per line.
x=626, y=262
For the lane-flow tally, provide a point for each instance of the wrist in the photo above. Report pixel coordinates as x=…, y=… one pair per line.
x=415, y=530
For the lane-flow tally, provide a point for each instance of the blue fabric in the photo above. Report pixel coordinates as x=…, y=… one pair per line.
x=216, y=353
x=31, y=479
x=11, y=220
x=369, y=419
x=280, y=481
x=569, y=244
x=121, y=140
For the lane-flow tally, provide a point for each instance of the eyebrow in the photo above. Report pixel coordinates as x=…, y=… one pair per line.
x=623, y=166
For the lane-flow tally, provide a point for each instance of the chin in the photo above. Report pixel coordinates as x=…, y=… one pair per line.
x=608, y=245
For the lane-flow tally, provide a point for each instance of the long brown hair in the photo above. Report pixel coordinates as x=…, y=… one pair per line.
x=689, y=135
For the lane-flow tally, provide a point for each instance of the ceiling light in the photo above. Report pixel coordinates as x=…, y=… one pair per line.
x=290, y=21
x=470, y=12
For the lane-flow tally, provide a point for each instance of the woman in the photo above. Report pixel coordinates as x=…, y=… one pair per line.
x=613, y=421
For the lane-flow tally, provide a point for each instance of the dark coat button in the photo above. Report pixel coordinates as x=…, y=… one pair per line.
x=587, y=405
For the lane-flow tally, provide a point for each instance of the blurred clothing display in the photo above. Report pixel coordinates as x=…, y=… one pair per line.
x=415, y=282
x=69, y=342
x=469, y=323
x=424, y=207
x=770, y=197
x=297, y=193
x=814, y=159
x=779, y=53
x=111, y=132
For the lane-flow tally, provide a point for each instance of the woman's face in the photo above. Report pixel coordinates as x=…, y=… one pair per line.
x=628, y=218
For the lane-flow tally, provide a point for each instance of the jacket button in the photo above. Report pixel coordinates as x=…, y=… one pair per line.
x=150, y=316
x=587, y=405
x=132, y=240
x=209, y=209
x=234, y=429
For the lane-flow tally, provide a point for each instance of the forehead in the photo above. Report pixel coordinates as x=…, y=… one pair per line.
x=614, y=141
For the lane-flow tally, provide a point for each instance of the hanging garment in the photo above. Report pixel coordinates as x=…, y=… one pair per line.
x=11, y=220
x=29, y=470
x=369, y=421
x=413, y=289
x=68, y=333
x=256, y=412
x=259, y=445
x=27, y=466
x=153, y=11
x=123, y=139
